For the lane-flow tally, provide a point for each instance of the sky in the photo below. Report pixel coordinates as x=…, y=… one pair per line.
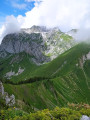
x=65, y=14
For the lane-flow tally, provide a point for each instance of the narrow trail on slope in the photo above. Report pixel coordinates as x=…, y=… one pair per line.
x=56, y=71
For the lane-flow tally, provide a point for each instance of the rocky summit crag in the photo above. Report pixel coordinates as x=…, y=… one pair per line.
x=39, y=42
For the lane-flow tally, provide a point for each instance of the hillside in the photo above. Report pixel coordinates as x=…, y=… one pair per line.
x=22, y=53
x=67, y=80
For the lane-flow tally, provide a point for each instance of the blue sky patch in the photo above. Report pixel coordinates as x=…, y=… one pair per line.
x=14, y=7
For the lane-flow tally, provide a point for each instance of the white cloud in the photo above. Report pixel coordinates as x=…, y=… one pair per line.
x=83, y=34
x=10, y=26
x=66, y=14
x=1, y=33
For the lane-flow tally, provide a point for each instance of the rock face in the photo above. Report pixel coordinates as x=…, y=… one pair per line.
x=12, y=73
x=9, y=100
x=84, y=117
x=41, y=43
x=1, y=89
x=83, y=59
x=23, y=42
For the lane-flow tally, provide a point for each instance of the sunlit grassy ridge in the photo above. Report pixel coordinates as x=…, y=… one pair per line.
x=49, y=93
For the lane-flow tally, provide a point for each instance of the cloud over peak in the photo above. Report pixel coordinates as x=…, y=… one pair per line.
x=71, y=14
x=10, y=26
x=65, y=14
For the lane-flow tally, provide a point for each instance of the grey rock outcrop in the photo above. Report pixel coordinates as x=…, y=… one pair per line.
x=1, y=89
x=9, y=100
x=83, y=59
x=11, y=73
x=84, y=117
x=23, y=42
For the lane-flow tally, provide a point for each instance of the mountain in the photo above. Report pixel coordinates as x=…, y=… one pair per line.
x=38, y=42
x=31, y=47
x=55, y=80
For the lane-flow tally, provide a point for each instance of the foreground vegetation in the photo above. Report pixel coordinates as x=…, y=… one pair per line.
x=73, y=112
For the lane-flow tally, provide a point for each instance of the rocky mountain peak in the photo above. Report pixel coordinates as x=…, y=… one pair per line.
x=35, y=29
x=39, y=29
x=38, y=41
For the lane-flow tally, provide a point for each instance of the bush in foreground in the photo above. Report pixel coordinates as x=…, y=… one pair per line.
x=46, y=114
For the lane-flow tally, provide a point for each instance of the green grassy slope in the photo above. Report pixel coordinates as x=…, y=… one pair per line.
x=13, y=63
x=70, y=82
x=51, y=93
x=63, y=64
